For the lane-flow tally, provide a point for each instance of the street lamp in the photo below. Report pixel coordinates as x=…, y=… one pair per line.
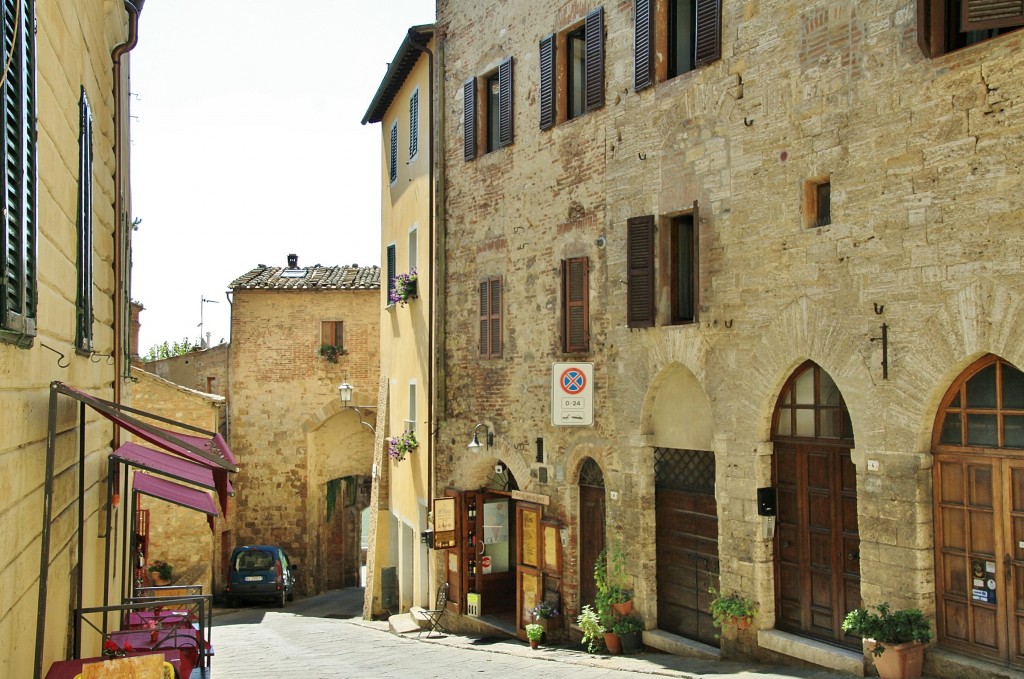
x=489, y=438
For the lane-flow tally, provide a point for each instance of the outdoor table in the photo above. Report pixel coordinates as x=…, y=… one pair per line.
x=141, y=619
x=69, y=669
x=185, y=639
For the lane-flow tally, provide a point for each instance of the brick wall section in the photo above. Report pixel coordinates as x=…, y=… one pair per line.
x=279, y=382
x=927, y=220
x=204, y=370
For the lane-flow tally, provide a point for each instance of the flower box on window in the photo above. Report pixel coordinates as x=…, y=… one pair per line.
x=404, y=288
x=401, y=445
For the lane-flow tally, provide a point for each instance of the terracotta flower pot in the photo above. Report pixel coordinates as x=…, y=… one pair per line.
x=612, y=643
x=534, y=644
x=899, y=661
x=625, y=608
x=741, y=622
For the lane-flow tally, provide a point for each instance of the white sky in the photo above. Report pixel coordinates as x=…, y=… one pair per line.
x=247, y=145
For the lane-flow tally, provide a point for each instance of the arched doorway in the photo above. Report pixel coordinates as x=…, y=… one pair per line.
x=592, y=526
x=817, y=547
x=978, y=476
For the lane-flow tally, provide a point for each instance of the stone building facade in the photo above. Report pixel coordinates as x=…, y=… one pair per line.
x=306, y=460
x=204, y=370
x=779, y=246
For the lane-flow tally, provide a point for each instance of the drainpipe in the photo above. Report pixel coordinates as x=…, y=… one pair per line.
x=411, y=37
x=122, y=238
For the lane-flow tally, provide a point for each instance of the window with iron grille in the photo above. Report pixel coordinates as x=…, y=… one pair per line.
x=18, y=98
x=692, y=471
x=83, y=305
x=414, y=123
x=490, y=317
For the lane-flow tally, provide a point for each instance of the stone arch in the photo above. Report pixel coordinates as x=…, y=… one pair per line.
x=475, y=468
x=675, y=388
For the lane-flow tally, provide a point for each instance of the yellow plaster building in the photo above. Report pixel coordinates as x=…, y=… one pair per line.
x=398, y=566
x=63, y=306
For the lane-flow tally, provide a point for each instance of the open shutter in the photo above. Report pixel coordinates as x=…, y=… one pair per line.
x=84, y=310
x=575, y=293
x=695, y=247
x=414, y=124
x=485, y=325
x=709, y=32
x=547, y=82
x=391, y=272
x=640, y=272
x=643, y=45
x=978, y=15
x=595, y=59
x=469, y=119
x=393, y=154
x=505, y=103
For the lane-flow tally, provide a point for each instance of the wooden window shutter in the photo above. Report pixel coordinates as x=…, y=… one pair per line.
x=976, y=15
x=640, y=272
x=18, y=176
x=709, y=32
x=391, y=272
x=643, y=45
x=83, y=306
x=576, y=305
x=696, y=261
x=414, y=123
x=930, y=33
x=469, y=119
x=333, y=333
x=393, y=154
x=490, y=318
x=505, y=103
x=595, y=59
x=547, y=82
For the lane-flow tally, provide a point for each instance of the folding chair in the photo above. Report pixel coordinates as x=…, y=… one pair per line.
x=433, y=616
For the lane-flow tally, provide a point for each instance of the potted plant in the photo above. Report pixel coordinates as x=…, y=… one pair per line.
x=160, y=572
x=731, y=610
x=534, y=632
x=590, y=624
x=895, y=638
x=401, y=445
x=628, y=629
x=404, y=288
x=610, y=595
x=331, y=352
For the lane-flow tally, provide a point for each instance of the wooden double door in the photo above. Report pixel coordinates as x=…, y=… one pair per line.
x=979, y=533
x=817, y=546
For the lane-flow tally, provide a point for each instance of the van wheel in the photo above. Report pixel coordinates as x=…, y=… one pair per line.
x=291, y=595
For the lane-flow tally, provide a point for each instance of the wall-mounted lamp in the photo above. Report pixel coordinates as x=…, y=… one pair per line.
x=345, y=391
x=489, y=438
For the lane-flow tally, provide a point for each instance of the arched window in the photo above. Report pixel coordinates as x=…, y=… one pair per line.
x=984, y=408
x=811, y=406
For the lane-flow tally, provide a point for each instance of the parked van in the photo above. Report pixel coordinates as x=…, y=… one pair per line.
x=260, y=572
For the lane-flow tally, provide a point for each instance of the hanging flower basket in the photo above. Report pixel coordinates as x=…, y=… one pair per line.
x=400, y=446
x=332, y=352
x=404, y=288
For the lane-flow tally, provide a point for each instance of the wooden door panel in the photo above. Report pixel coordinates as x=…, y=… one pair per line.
x=591, y=531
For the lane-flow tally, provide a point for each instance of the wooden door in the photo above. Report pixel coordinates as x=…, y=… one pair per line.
x=817, y=547
x=591, y=530
x=980, y=554
x=687, y=541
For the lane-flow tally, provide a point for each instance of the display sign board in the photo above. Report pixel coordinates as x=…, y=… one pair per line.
x=572, y=394
x=444, y=522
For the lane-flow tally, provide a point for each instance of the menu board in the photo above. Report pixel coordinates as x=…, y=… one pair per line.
x=531, y=538
x=444, y=522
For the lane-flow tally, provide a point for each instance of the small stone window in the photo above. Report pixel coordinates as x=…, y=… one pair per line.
x=817, y=202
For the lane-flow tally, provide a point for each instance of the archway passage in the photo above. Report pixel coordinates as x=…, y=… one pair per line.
x=687, y=541
x=591, y=526
x=978, y=445
x=817, y=546
x=346, y=499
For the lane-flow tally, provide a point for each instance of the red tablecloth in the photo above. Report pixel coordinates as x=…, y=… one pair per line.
x=69, y=669
x=139, y=619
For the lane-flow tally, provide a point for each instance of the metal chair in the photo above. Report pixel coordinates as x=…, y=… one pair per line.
x=434, y=615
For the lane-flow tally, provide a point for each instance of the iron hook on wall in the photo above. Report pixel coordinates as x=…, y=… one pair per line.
x=61, y=357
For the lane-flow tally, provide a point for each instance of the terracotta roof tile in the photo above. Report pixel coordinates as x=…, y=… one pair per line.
x=316, y=277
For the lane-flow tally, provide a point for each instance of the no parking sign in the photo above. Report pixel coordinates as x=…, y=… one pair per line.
x=572, y=394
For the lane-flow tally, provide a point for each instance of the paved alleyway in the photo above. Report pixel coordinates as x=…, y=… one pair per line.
x=323, y=637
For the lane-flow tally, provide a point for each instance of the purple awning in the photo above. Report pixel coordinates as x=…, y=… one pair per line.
x=174, y=493
x=176, y=468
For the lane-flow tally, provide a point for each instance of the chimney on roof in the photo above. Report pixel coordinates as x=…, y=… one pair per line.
x=293, y=261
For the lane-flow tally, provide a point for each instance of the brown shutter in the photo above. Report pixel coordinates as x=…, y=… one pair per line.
x=594, y=49
x=696, y=262
x=485, y=325
x=469, y=119
x=495, y=316
x=709, y=32
x=640, y=272
x=576, y=294
x=930, y=36
x=643, y=45
x=332, y=332
x=976, y=15
x=505, y=103
x=547, y=82
x=490, y=318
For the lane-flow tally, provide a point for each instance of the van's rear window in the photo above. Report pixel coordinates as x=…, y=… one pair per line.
x=254, y=561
